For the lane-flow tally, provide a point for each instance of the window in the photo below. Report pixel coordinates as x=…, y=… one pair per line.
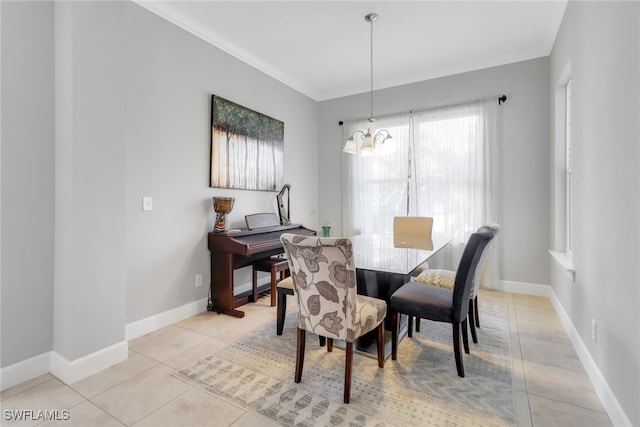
x=443, y=166
x=564, y=181
x=568, y=172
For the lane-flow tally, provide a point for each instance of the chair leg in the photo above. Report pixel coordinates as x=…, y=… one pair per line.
x=381, y=345
x=410, y=327
x=322, y=340
x=281, y=311
x=394, y=335
x=255, y=285
x=329, y=344
x=300, y=354
x=274, y=280
x=465, y=336
x=472, y=322
x=456, y=349
x=347, y=372
x=475, y=310
x=417, y=324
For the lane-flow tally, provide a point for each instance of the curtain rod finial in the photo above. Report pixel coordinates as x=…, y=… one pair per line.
x=502, y=99
x=340, y=123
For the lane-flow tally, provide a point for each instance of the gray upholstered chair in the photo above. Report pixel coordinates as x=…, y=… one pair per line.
x=324, y=280
x=446, y=278
x=440, y=304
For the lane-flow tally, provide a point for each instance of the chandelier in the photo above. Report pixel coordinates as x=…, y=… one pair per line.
x=371, y=137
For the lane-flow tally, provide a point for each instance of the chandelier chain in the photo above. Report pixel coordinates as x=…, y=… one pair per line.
x=372, y=136
x=371, y=92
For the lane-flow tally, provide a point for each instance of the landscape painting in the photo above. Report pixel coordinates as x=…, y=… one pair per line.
x=247, y=148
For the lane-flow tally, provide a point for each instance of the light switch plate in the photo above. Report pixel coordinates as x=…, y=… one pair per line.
x=147, y=204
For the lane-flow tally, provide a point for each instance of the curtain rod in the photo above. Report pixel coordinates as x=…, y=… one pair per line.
x=501, y=98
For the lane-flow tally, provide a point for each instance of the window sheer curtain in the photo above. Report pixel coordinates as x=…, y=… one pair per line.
x=455, y=153
x=376, y=188
x=444, y=166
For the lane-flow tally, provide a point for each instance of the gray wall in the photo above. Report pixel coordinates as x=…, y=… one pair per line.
x=172, y=76
x=89, y=281
x=601, y=41
x=524, y=154
x=132, y=119
x=27, y=180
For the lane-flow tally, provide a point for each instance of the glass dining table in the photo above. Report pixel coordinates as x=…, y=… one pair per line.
x=383, y=264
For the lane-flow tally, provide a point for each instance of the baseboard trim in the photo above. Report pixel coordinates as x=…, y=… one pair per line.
x=166, y=318
x=24, y=370
x=246, y=287
x=65, y=370
x=70, y=371
x=525, y=288
x=600, y=385
x=607, y=397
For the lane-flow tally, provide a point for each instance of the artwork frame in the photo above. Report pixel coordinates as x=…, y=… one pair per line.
x=247, y=148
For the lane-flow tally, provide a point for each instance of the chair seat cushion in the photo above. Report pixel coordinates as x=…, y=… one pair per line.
x=436, y=277
x=287, y=283
x=424, y=301
x=369, y=313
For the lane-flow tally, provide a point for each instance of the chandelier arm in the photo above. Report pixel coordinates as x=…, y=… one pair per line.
x=381, y=135
x=357, y=131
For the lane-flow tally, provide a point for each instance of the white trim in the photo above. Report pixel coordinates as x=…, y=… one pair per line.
x=169, y=317
x=67, y=371
x=565, y=261
x=72, y=371
x=165, y=11
x=525, y=288
x=24, y=370
x=247, y=286
x=609, y=401
x=166, y=318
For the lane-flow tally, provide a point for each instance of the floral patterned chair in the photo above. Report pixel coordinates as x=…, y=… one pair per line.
x=324, y=280
x=445, y=279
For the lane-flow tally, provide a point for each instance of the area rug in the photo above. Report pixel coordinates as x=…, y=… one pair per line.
x=421, y=388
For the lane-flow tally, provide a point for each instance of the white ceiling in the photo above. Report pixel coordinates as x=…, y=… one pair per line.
x=322, y=48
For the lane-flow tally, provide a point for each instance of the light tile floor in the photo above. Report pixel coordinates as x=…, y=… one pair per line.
x=550, y=385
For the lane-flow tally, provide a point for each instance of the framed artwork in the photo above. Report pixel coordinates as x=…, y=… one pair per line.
x=247, y=148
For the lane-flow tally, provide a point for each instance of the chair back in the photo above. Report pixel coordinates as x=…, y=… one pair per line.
x=465, y=274
x=324, y=281
x=413, y=231
x=477, y=277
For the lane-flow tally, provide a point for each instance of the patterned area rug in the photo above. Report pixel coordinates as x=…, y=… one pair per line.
x=420, y=388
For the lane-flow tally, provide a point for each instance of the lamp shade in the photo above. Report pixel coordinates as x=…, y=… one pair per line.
x=350, y=146
x=389, y=144
x=367, y=142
